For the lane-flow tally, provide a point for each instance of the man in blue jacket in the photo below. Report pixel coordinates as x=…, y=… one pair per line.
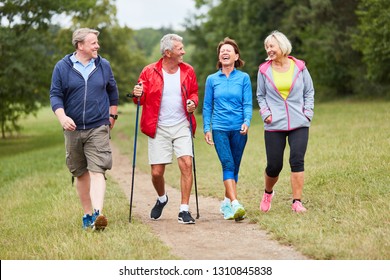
x=84, y=97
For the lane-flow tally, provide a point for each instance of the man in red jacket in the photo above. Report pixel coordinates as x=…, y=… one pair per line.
x=168, y=92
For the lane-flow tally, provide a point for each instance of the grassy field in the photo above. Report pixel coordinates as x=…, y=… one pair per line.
x=346, y=190
x=39, y=203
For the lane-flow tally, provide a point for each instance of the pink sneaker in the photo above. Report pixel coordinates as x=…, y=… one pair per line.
x=265, y=204
x=298, y=207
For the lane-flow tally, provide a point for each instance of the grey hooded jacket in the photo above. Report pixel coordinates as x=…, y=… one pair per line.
x=294, y=112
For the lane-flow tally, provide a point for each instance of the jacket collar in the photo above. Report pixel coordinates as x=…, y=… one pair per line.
x=299, y=63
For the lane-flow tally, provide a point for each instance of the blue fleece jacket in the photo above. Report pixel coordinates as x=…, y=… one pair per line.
x=227, y=102
x=86, y=102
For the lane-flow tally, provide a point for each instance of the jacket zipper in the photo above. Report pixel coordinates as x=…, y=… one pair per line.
x=85, y=95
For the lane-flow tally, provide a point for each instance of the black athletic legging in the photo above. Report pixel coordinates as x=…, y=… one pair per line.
x=275, y=143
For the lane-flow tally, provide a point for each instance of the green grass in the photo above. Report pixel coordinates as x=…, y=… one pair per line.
x=346, y=190
x=38, y=203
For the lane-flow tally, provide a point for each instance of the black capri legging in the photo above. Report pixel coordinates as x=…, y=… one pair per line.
x=275, y=143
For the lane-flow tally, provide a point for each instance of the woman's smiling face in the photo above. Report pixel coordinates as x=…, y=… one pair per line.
x=227, y=55
x=273, y=49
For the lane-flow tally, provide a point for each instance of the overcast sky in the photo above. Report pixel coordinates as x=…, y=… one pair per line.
x=138, y=14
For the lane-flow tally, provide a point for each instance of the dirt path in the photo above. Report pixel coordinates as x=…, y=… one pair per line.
x=211, y=238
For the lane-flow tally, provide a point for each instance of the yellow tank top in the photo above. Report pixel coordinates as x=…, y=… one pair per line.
x=283, y=80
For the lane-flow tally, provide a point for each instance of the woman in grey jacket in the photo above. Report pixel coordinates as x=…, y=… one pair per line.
x=285, y=94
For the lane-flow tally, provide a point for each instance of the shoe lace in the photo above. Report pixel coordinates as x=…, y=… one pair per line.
x=226, y=207
x=298, y=205
x=187, y=214
x=267, y=197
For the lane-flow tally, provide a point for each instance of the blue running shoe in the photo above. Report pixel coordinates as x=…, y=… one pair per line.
x=87, y=221
x=239, y=212
x=227, y=211
x=99, y=221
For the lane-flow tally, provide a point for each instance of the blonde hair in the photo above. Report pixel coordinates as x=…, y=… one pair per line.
x=283, y=42
x=80, y=34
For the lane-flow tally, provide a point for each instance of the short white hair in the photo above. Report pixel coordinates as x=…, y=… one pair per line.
x=283, y=42
x=166, y=42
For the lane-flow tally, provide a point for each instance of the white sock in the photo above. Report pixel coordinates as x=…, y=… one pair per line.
x=184, y=207
x=226, y=200
x=235, y=202
x=162, y=198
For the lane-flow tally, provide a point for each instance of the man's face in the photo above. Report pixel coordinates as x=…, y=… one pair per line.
x=90, y=46
x=177, y=52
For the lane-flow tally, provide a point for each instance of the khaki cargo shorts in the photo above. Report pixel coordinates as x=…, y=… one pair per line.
x=88, y=150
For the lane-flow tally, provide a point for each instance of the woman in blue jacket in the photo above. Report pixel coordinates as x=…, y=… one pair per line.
x=227, y=112
x=285, y=95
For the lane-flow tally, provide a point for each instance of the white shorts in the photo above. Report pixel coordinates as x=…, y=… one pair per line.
x=170, y=139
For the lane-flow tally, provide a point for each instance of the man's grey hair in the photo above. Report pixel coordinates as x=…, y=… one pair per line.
x=166, y=42
x=80, y=34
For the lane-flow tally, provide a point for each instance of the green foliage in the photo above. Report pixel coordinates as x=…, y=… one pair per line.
x=148, y=40
x=24, y=79
x=326, y=45
x=30, y=47
x=247, y=22
x=373, y=38
x=321, y=32
x=27, y=50
x=118, y=45
x=38, y=13
x=102, y=15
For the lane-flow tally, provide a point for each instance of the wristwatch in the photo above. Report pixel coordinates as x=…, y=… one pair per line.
x=115, y=117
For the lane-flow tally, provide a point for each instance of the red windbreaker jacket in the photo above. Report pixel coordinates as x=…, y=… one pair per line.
x=152, y=80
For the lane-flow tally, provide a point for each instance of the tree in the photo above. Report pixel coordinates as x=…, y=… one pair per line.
x=22, y=79
x=321, y=35
x=373, y=38
x=27, y=54
x=118, y=45
x=30, y=46
x=246, y=21
x=321, y=32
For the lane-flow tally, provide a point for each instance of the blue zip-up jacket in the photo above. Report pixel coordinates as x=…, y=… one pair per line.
x=227, y=102
x=86, y=102
x=294, y=112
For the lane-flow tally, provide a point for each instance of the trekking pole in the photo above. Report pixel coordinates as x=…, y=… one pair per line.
x=134, y=155
x=194, y=167
x=193, y=158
